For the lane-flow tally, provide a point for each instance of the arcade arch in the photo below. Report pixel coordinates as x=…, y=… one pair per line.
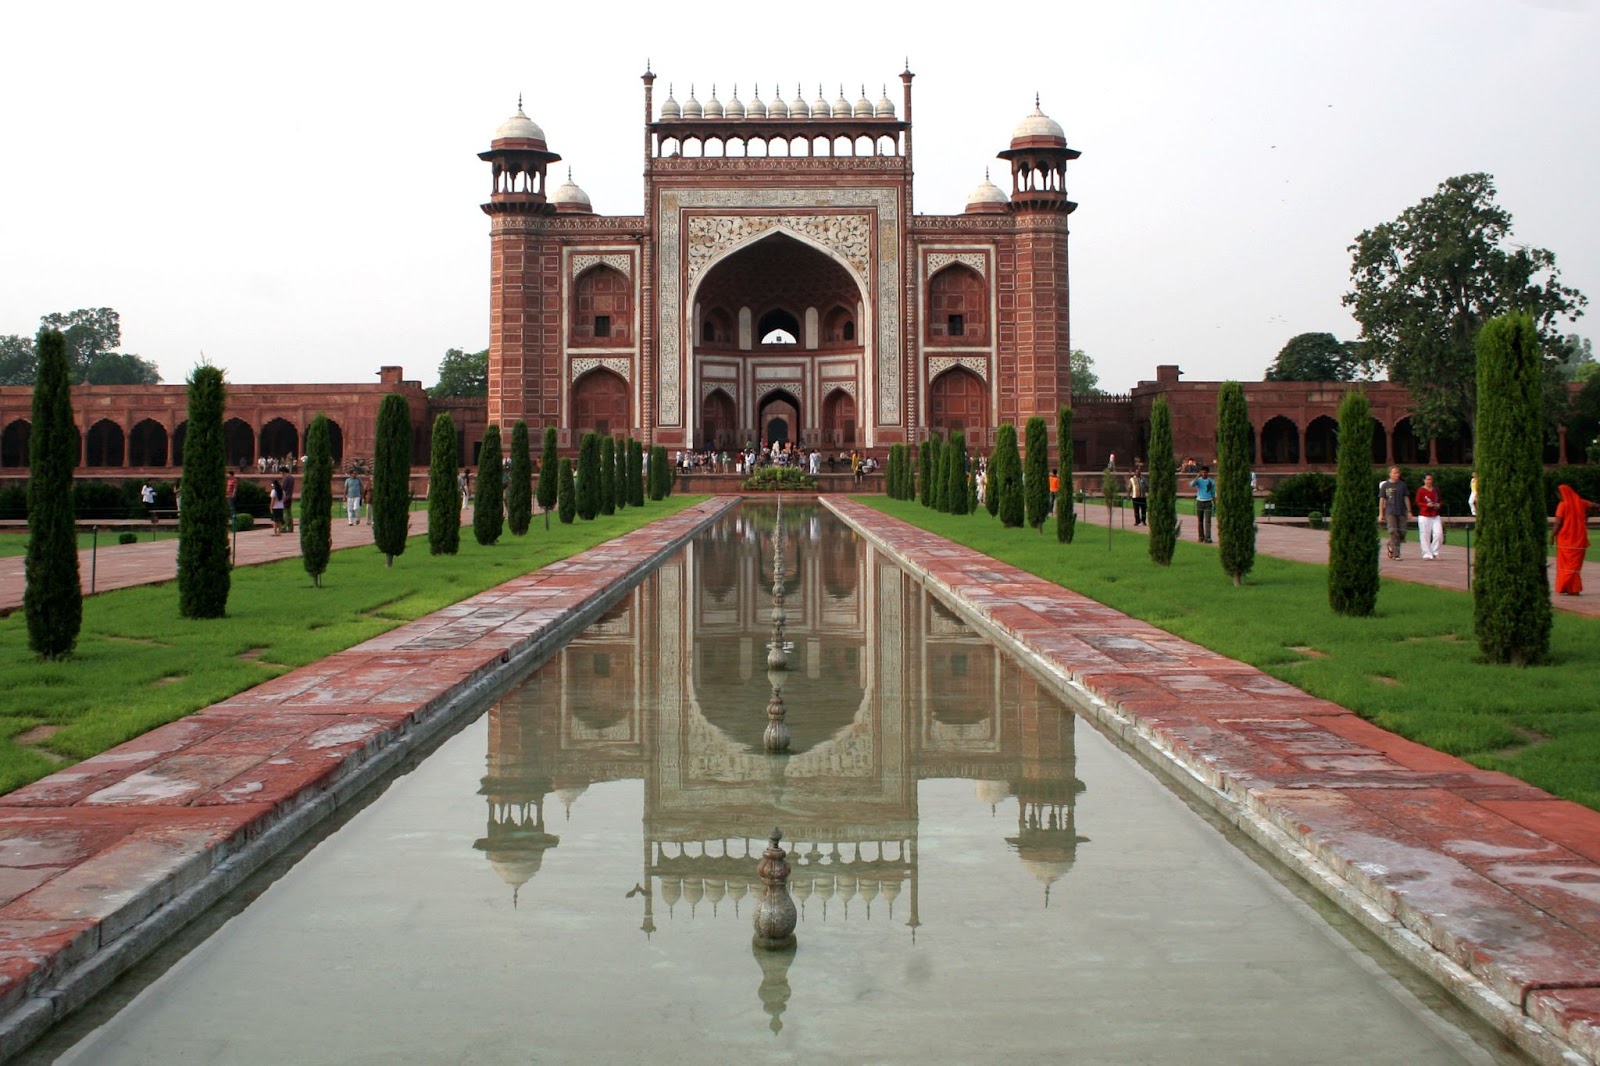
x=147, y=444
x=1322, y=440
x=105, y=444
x=279, y=438
x=14, y=443
x=1280, y=441
x=238, y=443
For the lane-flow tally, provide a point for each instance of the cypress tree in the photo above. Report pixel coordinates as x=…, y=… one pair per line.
x=635, y=473
x=567, y=494
x=519, y=493
x=204, y=570
x=972, y=488
x=53, y=596
x=1510, y=588
x=658, y=472
x=1036, y=475
x=549, y=475
x=488, y=506
x=1005, y=477
x=589, y=477
x=925, y=473
x=391, y=477
x=937, y=479
x=1066, y=515
x=1162, y=508
x=608, y=476
x=891, y=473
x=619, y=473
x=1236, y=508
x=444, y=502
x=991, y=495
x=316, y=501
x=955, y=492
x=1352, y=545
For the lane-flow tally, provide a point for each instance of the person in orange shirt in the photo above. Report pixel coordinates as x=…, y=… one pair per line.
x=1571, y=538
x=1055, y=489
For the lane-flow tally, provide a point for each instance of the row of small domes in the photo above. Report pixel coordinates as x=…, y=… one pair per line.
x=758, y=108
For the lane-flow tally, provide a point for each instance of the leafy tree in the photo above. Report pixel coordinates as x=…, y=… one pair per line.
x=462, y=374
x=1424, y=285
x=567, y=495
x=549, y=475
x=203, y=523
x=1036, y=473
x=1066, y=516
x=19, y=362
x=1583, y=422
x=52, y=597
x=1085, y=382
x=589, y=476
x=1315, y=357
x=1236, y=507
x=90, y=335
x=391, y=477
x=1005, y=476
x=117, y=368
x=316, y=501
x=519, y=494
x=1352, y=546
x=608, y=475
x=1510, y=587
x=955, y=491
x=488, y=506
x=635, y=473
x=444, y=501
x=1162, y=509
x=1573, y=357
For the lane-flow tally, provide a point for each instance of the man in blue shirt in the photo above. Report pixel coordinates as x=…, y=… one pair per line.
x=1205, y=502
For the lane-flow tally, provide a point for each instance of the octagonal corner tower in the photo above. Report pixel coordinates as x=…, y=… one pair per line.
x=778, y=286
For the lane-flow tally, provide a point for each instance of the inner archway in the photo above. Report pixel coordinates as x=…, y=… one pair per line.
x=779, y=418
x=718, y=420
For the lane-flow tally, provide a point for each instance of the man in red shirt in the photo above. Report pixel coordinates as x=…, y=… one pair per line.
x=1429, y=525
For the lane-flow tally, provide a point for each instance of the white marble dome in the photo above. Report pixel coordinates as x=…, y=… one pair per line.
x=987, y=193
x=1039, y=126
x=691, y=106
x=885, y=108
x=669, y=107
x=569, y=196
x=519, y=127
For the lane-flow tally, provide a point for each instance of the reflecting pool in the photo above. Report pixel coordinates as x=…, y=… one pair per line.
x=570, y=877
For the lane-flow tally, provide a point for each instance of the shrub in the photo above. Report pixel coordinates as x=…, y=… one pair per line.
x=1352, y=548
x=1510, y=587
x=444, y=502
x=251, y=499
x=243, y=523
x=127, y=538
x=1236, y=508
x=95, y=500
x=1315, y=518
x=14, y=501
x=204, y=575
x=779, y=479
x=1301, y=494
x=1162, y=508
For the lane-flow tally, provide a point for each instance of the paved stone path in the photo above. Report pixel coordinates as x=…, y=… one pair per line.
x=1306, y=545
x=1485, y=882
x=1490, y=884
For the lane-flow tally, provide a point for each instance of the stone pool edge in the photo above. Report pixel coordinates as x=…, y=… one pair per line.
x=1247, y=746
x=164, y=826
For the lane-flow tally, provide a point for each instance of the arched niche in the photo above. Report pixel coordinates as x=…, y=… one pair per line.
x=602, y=308
x=958, y=399
x=958, y=307
x=600, y=404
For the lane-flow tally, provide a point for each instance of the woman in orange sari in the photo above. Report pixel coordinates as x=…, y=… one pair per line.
x=1571, y=538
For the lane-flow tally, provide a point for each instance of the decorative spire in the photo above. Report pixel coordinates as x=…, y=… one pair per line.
x=519, y=103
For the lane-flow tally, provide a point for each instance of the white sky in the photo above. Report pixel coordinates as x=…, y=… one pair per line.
x=293, y=189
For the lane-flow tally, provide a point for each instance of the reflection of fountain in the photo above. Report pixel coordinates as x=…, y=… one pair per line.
x=774, y=990
x=775, y=915
x=776, y=737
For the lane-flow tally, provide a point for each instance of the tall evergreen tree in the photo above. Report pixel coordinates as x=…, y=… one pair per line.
x=488, y=506
x=1352, y=544
x=567, y=493
x=925, y=473
x=519, y=492
x=391, y=477
x=316, y=501
x=549, y=475
x=1236, y=507
x=204, y=570
x=608, y=475
x=938, y=474
x=1162, y=510
x=1066, y=515
x=52, y=597
x=1036, y=473
x=619, y=471
x=444, y=501
x=1005, y=476
x=589, y=477
x=659, y=474
x=991, y=495
x=955, y=492
x=635, y=473
x=1510, y=587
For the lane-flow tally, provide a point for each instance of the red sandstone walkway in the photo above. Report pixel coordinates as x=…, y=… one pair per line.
x=1490, y=884
x=1305, y=545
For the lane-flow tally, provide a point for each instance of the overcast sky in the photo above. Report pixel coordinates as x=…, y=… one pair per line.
x=293, y=189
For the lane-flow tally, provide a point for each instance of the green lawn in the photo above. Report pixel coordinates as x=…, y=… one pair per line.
x=1413, y=668
x=139, y=665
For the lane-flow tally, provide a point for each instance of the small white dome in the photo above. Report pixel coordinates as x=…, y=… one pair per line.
x=777, y=109
x=863, y=105
x=570, y=196
x=885, y=108
x=713, y=108
x=669, y=107
x=735, y=109
x=987, y=192
x=841, y=106
x=820, y=108
x=691, y=106
x=1039, y=125
x=798, y=108
x=519, y=127
x=757, y=109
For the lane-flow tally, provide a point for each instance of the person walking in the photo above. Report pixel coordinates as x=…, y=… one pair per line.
x=1394, y=504
x=288, y=500
x=1138, y=485
x=1571, y=538
x=233, y=494
x=1430, y=527
x=275, y=506
x=352, y=500
x=1205, y=502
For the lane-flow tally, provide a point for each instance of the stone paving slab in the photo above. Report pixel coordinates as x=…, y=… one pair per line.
x=103, y=860
x=1489, y=884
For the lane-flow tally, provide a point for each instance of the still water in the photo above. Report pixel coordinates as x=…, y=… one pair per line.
x=570, y=877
